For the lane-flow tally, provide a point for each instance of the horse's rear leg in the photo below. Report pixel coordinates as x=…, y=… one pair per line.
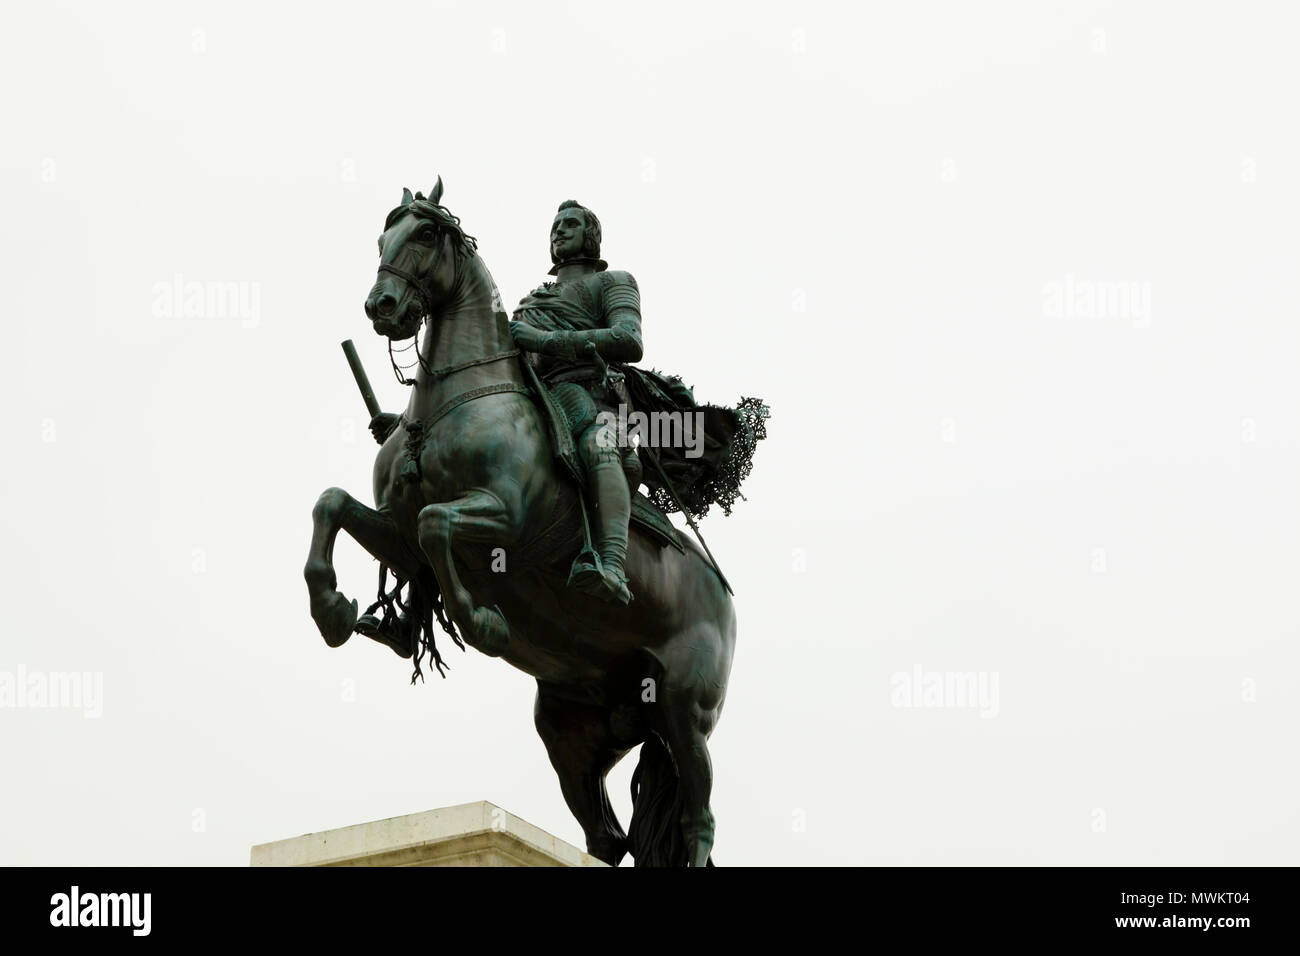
x=688, y=718
x=690, y=750
x=375, y=531
x=583, y=749
x=479, y=517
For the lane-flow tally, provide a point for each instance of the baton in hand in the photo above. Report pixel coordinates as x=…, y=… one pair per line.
x=363, y=383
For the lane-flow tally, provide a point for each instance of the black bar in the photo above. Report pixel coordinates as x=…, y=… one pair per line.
x=914, y=908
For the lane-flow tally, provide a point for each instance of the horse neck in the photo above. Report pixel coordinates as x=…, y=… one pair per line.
x=470, y=326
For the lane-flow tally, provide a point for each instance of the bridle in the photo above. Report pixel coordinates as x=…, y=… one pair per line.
x=425, y=298
x=418, y=430
x=414, y=283
x=421, y=291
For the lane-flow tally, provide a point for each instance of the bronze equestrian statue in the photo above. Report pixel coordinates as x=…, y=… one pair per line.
x=503, y=498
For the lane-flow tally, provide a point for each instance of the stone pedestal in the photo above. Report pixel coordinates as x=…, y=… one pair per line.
x=473, y=834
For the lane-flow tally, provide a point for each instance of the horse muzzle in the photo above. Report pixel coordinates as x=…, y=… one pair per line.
x=390, y=320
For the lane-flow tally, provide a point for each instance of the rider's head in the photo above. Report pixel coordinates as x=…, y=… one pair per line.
x=575, y=233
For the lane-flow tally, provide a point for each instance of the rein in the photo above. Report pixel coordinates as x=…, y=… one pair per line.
x=437, y=373
x=416, y=285
x=425, y=297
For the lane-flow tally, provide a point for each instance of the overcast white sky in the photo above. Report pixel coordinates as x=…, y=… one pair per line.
x=908, y=227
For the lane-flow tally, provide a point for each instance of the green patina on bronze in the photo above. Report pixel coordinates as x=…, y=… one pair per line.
x=507, y=512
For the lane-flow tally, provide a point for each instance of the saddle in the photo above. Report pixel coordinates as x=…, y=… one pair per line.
x=645, y=514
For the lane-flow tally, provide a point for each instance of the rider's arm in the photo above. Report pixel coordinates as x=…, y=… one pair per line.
x=621, y=341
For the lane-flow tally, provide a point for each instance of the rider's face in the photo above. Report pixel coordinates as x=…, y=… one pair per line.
x=566, y=234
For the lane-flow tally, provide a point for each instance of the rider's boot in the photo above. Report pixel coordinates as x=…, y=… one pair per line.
x=613, y=506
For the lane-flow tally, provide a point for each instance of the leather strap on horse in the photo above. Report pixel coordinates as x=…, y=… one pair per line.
x=469, y=396
x=446, y=370
x=417, y=431
x=414, y=282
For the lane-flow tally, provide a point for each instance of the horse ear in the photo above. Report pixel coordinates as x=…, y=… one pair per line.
x=436, y=194
x=406, y=196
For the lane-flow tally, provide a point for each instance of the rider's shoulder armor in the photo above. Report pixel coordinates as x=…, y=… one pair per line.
x=618, y=290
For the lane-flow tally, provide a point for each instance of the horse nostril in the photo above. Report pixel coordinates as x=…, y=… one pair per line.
x=380, y=306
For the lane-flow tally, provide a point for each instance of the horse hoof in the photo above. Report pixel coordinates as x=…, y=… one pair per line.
x=335, y=616
x=609, y=850
x=491, y=632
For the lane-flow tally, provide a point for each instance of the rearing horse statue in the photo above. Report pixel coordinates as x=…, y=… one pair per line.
x=479, y=525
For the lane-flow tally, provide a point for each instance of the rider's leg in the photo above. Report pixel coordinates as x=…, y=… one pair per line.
x=611, y=501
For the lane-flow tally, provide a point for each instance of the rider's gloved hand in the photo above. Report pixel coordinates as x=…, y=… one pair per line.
x=526, y=337
x=382, y=424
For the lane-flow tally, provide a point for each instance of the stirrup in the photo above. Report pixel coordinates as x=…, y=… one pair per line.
x=603, y=583
x=590, y=575
x=586, y=568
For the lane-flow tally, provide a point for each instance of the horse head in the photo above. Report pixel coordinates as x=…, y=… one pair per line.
x=419, y=256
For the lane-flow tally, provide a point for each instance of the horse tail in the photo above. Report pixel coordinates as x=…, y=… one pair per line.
x=654, y=834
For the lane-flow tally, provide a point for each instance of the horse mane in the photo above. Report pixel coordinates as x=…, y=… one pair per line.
x=446, y=220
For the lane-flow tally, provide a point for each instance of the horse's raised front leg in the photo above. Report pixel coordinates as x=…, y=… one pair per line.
x=374, y=530
x=479, y=517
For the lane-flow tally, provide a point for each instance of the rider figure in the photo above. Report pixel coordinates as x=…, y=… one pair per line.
x=557, y=325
